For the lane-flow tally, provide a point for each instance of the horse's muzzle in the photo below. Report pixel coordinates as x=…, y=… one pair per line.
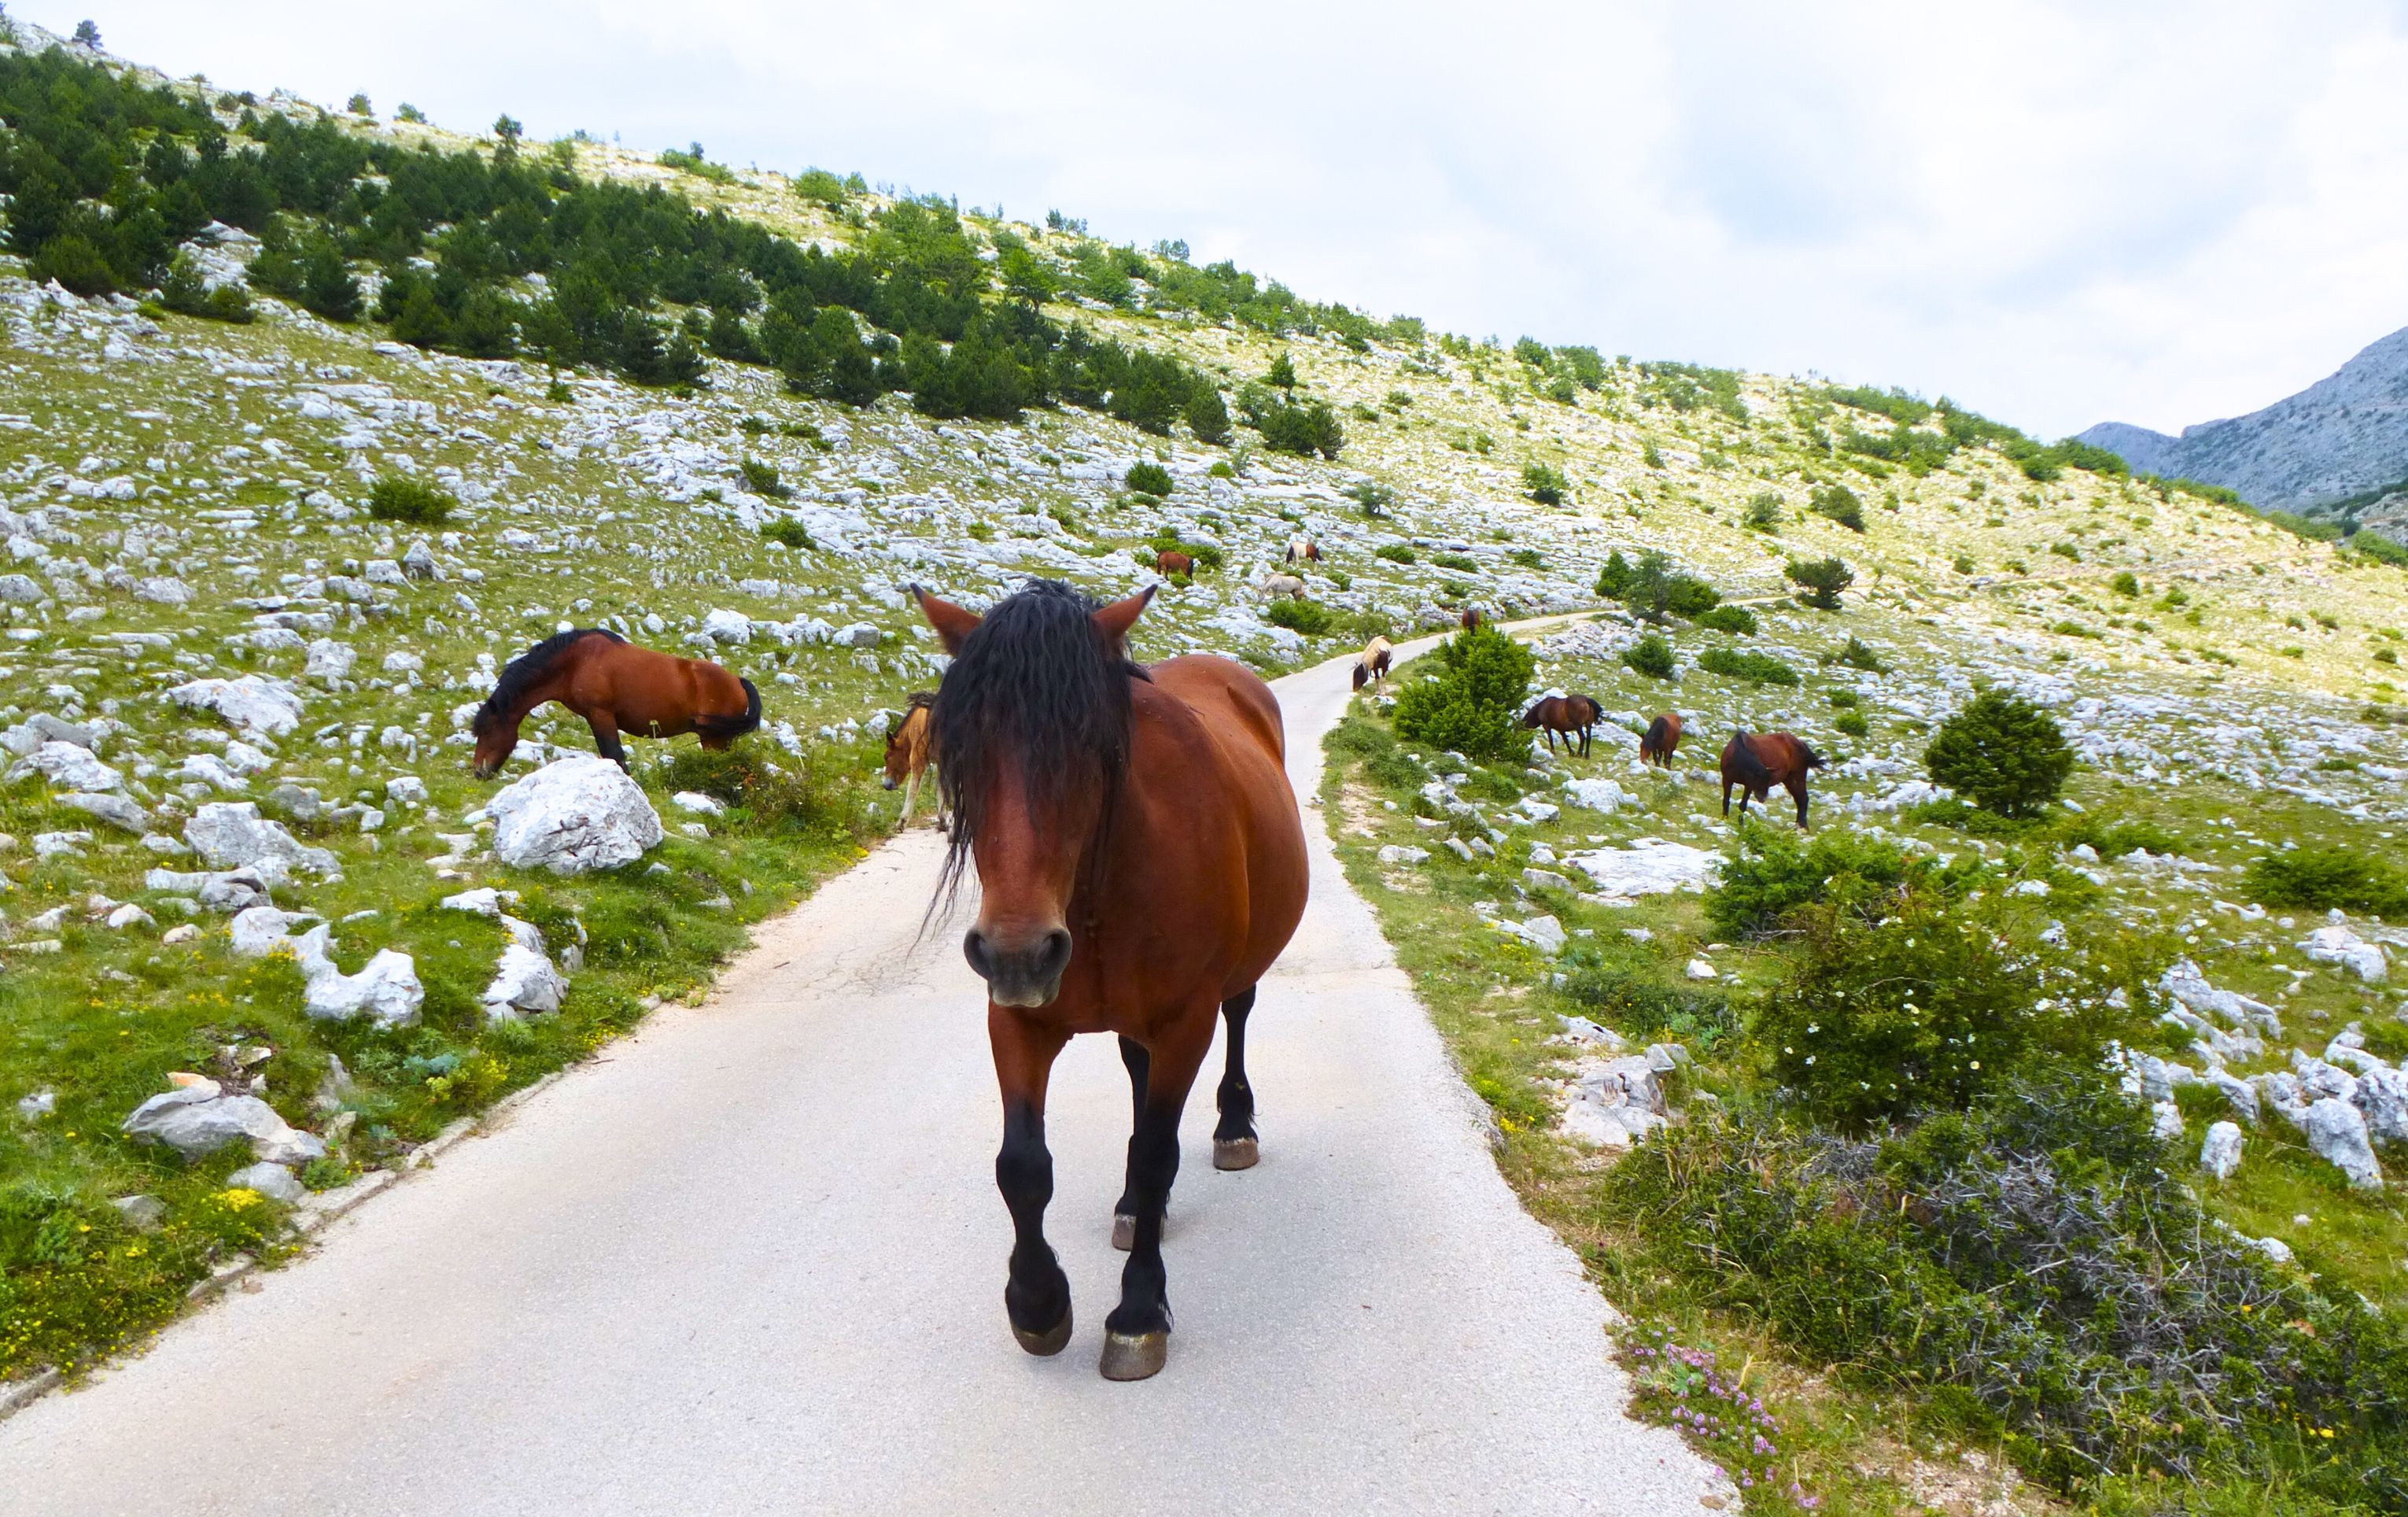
x=1027, y=976
x=887, y=783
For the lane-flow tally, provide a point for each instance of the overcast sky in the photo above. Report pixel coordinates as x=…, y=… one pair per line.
x=2056, y=214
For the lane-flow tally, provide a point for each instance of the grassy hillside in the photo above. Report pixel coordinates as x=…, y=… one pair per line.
x=188, y=498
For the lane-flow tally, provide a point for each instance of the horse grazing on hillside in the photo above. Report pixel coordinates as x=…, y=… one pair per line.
x=618, y=688
x=1075, y=780
x=1575, y=716
x=1303, y=549
x=1371, y=665
x=908, y=744
x=1168, y=562
x=1661, y=740
x=1284, y=584
x=1757, y=763
x=1471, y=618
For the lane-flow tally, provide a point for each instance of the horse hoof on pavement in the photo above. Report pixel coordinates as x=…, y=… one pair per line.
x=1124, y=1231
x=1236, y=1153
x=1134, y=1355
x=1050, y=1342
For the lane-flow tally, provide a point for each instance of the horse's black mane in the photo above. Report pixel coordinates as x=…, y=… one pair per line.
x=524, y=672
x=1036, y=685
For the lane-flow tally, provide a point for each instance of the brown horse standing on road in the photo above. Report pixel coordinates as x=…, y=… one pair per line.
x=1169, y=562
x=1140, y=863
x=617, y=688
x=1575, y=716
x=1661, y=740
x=909, y=743
x=1371, y=665
x=1756, y=764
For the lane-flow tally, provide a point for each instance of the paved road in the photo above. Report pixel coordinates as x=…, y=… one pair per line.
x=751, y=1260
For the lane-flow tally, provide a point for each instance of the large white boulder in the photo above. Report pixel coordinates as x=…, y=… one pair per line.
x=726, y=626
x=524, y=981
x=1597, y=794
x=2336, y=1130
x=2336, y=944
x=2220, y=1155
x=1647, y=869
x=386, y=991
x=262, y=707
x=199, y=1119
x=232, y=834
x=574, y=814
x=72, y=767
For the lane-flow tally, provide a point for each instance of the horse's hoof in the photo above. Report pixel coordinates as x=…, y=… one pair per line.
x=1050, y=1342
x=1236, y=1153
x=1134, y=1355
x=1124, y=1231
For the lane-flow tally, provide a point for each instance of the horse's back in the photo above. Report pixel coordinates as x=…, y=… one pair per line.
x=1231, y=698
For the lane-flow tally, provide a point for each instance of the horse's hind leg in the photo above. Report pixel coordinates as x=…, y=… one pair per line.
x=1797, y=788
x=1137, y=1335
x=1037, y=1296
x=1233, y=1142
x=606, y=738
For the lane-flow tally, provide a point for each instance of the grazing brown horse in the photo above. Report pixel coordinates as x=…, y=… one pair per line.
x=1371, y=665
x=1140, y=863
x=1471, y=618
x=1168, y=562
x=617, y=688
x=1303, y=549
x=1575, y=716
x=1757, y=762
x=1662, y=741
x=909, y=743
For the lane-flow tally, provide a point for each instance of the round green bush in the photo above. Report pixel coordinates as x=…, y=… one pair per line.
x=1473, y=705
x=1149, y=479
x=2001, y=752
x=396, y=498
x=1650, y=656
x=1311, y=617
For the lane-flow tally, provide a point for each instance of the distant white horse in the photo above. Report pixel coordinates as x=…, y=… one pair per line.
x=1284, y=584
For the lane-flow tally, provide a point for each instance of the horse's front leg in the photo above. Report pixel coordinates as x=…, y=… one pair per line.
x=606, y=737
x=1742, y=800
x=1037, y=1296
x=910, y=790
x=1137, y=1335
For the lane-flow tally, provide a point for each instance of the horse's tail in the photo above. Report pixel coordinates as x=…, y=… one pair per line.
x=1812, y=759
x=1362, y=675
x=1743, y=762
x=734, y=726
x=1658, y=731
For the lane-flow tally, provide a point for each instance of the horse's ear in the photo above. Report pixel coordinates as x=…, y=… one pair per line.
x=953, y=626
x=1115, y=619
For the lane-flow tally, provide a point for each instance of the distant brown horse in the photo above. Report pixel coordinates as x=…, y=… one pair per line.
x=617, y=688
x=1371, y=665
x=1471, y=618
x=1575, y=716
x=1168, y=562
x=1076, y=780
x=1755, y=764
x=1303, y=549
x=909, y=743
x=1662, y=741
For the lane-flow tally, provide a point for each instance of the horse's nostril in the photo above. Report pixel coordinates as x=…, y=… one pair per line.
x=974, y=949
x=1055, y=956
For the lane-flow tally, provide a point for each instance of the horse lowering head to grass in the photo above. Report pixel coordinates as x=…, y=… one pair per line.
x=1661, y=740
x=1140, y=863
x=618, y=688
x=1575, y=716
x=1371, y=665
x=1755, y=763
x=909, y=745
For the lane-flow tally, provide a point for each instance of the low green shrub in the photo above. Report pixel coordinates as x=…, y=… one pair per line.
x=2126, y=583
x=1736, y=620
x=1651, y=655
x=1457, y=562
x=1545, y=485
x=1769, y=872
x=399, y=498
x=1851, y=722
x=1308, y=617
x=1641, y=1004
x=1472, y=704
x=1840, y=504
x=789, y=532
x=1757, y=668
x=2323, y=879
x=810, y=795
x=1149, y=478
x=1763, y=512
x=1859, y=654
x=2039, y=1263
x=2001, y=752
x=1395, y=553
x=1822, y=578
x=1841, y=697
x=762, y=480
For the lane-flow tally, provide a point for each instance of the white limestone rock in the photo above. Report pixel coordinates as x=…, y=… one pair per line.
x=259, y=706
x=2336, y=1130
x=577, y=813
x=330, y=660
x=274, y=1180
x=1646, y=868
x=2220, y=1155
x=2336, y=944
x=198, y=1118
x=71, y=766
x=232, y=834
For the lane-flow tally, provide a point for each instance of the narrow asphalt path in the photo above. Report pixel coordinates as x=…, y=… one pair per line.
x=750, y=1260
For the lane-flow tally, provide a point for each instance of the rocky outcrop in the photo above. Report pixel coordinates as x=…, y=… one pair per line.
x=575, y=814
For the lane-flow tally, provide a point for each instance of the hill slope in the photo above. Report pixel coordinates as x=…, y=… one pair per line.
x=2342, y=436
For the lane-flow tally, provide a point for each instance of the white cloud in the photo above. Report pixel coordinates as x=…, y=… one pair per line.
x=2059, y=213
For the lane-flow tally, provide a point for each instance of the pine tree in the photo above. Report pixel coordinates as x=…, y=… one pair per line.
x=2003, y=753
x=1283, y=374
x=1208, y=415
x=327, y=286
